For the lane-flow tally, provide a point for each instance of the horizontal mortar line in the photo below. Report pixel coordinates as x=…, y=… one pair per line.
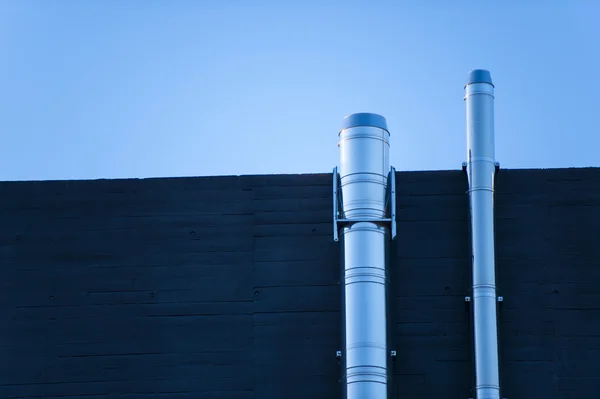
x=220, y=251
x=321, y=223
x=527, y=361
x=452, y=361
x=288, y=199
x=149, y=215
x=282, y=220
x=58, y=396
x=59, y=320
x=459, y=258
x=260, y=189
x=321, y=261
x=299, y=210
x=294, y=235
x=94, y=296
x=196, y=265
x=333, y=284
x=428, y=219
x=295, y=286
x=458, y=297
x=324, y=184
x=299, y=223
x=295, y=311
x=134, y=314
x=149, y=302
x=567, y=179
x=79, y=305
x=191, y=264
x=136, y=380
x=287, y=260
x=221, y=314
x=128, y=291
x=114, y=354
x=187, y=353
x=400, y=221
x=316, y=197
x=291, y=374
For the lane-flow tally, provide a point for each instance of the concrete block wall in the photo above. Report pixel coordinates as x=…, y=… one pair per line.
x=228, y=287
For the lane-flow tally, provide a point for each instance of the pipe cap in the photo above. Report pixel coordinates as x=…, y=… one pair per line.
x=479, y=76
x=364, y=119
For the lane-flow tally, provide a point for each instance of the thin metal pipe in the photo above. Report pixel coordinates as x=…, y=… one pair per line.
x=481, y=169
x=364, y=169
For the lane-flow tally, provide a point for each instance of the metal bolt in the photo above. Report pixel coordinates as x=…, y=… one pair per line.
x=500, y=299
x=467, y=299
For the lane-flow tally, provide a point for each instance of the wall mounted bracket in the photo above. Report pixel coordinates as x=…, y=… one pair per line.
x=338, y=201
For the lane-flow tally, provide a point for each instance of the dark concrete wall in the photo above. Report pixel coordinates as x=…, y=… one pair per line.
x=227, y=287
x=430, y=277
x=548, y=270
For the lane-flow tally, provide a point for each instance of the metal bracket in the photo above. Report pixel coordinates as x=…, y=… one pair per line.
x=393, y=355
x=468, y=299
x=338, y=354
x=338, y=201
x=496, y=166
x=393, y=200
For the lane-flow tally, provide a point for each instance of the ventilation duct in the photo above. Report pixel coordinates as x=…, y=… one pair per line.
x=481, y=169
x=364, y=216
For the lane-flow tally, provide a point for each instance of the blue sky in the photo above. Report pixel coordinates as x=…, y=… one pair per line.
x=105, y=89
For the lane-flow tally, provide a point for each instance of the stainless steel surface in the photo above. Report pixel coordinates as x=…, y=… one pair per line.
x=355, y=220
x=365, y=279
x=481, y=169
x=364, y=170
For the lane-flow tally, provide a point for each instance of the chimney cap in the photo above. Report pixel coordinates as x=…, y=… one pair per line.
x=479, y=76
x=364, y=119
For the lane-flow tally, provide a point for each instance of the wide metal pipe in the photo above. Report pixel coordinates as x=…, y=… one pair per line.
x=481, y=169
x=364, y=168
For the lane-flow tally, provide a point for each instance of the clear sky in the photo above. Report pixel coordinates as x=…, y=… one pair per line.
x=105, y=89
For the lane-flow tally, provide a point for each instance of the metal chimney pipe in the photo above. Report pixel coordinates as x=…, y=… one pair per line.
x=364, y=170
x=481, y=168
